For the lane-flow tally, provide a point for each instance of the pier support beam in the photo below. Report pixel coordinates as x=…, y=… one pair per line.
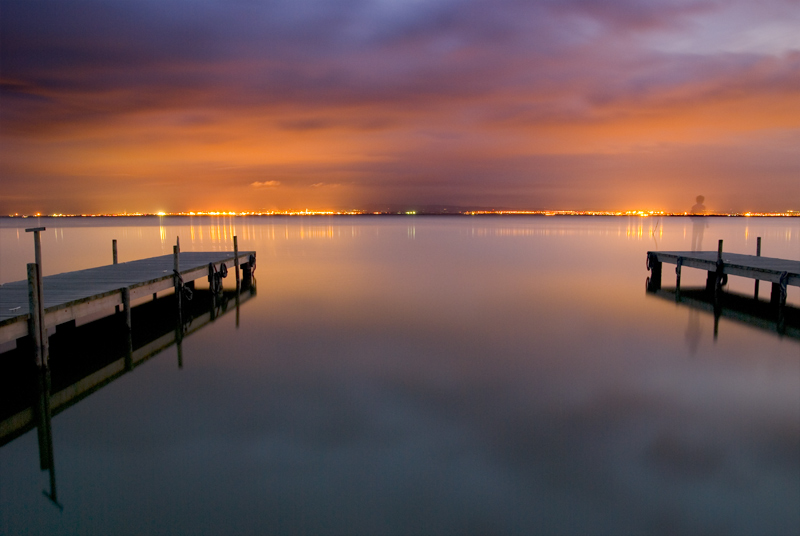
x=176, y=275
x=114, y=250
x=758, y=254
x=126, y=307
x=36, y=327
x=236, y=261
x=655, y=272
x=775, y=295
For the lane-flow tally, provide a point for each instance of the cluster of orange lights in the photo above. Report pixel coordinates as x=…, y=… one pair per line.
x=640, y=213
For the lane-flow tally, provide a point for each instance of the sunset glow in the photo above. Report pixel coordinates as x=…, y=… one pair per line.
x=147, y=107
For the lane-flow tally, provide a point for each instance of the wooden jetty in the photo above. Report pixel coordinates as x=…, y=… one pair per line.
x=719, y=265
x=70, y=296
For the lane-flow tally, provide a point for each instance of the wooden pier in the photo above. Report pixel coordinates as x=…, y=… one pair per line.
x=70, y=296
x=781, y=273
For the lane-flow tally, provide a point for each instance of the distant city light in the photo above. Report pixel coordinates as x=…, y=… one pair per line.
x=307, y=212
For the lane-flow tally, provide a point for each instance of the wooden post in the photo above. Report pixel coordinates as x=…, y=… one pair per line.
x=678, y=266
x=35, y=322
x=176, y=263
x=126, y=306
x=236, y=260
x=212, y=290
x=775, y=295
x=114, y=258
x=758, y=254
x=37, y=244
x=720, y=269
x=655, y=272
x=176, y=251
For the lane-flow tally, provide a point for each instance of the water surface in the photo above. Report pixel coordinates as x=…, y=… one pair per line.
x=405, y=375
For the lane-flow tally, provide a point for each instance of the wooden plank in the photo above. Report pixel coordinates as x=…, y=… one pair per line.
x=749, y=266
x=71, y=295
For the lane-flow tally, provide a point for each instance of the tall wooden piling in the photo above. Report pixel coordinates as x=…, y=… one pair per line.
x=114, y=260
x=758, y=254
x=36, y=328
x=126, y=306
x=37, y=249
x=176, y=251
x=236, y=260
x=37, y=244
x=718, y=276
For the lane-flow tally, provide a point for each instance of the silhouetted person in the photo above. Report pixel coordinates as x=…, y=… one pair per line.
x=699, y=223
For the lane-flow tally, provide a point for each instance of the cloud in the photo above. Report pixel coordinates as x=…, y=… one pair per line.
x=461, y=86
x=265, y=184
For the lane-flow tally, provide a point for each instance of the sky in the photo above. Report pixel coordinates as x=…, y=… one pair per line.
x=167, y=105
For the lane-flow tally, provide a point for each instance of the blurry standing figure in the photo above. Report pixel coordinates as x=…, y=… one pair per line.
x=699, y=223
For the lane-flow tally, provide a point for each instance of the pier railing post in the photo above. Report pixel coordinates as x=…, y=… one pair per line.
x=176, y=274
x=36, y=317
x=37, y=244
x=126, y=306
x=42, y=332
x=758, y=254
x=176, y=251
x=236, y=260
x=719, y=275
x=114, y=260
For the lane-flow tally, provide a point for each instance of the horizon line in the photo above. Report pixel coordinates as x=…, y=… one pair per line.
x=445, y=212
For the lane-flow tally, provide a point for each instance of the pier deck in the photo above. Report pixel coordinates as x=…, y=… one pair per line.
x=73, y=295
x=780, y=272
x=751, y=266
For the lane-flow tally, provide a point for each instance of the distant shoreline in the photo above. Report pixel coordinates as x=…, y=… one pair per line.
x=789, y=214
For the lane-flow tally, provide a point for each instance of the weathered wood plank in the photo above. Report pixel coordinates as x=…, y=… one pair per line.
x=72, y=295
x=750, y=266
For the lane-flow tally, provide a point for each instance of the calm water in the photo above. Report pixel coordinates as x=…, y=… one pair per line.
x=407, y=375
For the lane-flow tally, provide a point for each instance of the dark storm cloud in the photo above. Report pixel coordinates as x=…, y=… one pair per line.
x=318, y=53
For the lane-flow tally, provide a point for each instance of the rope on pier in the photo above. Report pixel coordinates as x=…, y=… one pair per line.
x=215, y=277
x=186, y=290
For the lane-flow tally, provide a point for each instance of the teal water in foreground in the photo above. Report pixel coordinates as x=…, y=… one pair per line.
x=427, y=375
